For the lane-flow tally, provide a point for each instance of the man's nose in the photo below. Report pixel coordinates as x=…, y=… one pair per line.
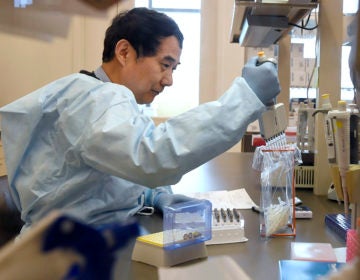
x=167, y=80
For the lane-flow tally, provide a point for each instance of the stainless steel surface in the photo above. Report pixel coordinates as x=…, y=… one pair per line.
x=259, y=258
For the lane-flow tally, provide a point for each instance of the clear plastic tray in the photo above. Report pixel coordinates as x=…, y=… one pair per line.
x=187, y=223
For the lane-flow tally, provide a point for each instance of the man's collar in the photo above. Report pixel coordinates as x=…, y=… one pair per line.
x=100, y=74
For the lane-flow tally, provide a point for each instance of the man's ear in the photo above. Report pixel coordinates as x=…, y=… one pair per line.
x=123, y=49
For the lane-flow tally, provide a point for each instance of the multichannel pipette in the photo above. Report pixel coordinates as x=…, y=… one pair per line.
x=273, y=121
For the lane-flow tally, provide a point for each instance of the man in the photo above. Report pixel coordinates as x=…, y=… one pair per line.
x=82, y=145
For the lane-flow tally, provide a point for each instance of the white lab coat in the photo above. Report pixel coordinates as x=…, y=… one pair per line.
x=82, y=145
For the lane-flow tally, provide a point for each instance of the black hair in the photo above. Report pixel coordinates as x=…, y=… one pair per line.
x=143, y=28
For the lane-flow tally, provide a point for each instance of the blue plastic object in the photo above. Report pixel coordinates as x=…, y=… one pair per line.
x=339, y=224
x=97, y=245
x=187, y=223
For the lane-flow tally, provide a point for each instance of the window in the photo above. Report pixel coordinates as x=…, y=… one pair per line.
x=303, y=62
x=22, y=3
x=184, y=93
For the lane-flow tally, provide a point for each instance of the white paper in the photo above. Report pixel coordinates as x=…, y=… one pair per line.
x=238, y=198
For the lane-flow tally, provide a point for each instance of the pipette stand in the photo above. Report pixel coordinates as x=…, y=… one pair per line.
x=277, y=191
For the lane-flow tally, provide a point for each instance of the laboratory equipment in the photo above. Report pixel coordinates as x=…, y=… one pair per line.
x=228, y=226
x=306, y=127
x=334, y=149
x=303, y=212
x=342, y=142
x=186, y=227
x=187, y=223
x=354, y=65
x=341, y=138
x=354, y=133
x=339, y=224
x=273, y=121
x=329, y=134
x=277, y=202
x=276, y=161
x=263, y=23
x=341, y=125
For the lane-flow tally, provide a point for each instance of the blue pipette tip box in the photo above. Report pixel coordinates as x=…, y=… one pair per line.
x=187, y=223
x=339, y=224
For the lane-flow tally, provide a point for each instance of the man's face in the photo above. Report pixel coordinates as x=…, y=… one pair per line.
x=148, y=76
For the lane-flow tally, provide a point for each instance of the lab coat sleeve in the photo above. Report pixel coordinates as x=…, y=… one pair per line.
x=127, y=144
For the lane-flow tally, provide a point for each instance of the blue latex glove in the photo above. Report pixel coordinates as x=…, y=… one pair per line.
x=164, y=197
x=162, y=200
x=262, y=79
x=161, y=197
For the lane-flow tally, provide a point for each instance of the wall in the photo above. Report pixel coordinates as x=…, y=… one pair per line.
x=42, y=45
x=221, y=61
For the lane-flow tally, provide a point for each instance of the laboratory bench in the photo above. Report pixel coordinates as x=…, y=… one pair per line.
x=258, y=257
